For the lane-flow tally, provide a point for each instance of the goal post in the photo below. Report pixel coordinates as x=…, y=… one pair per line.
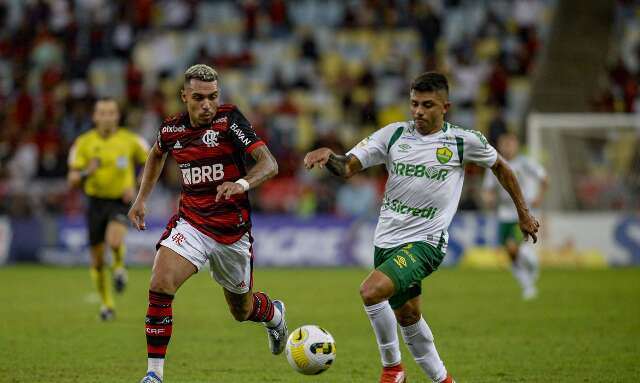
x=593, y=159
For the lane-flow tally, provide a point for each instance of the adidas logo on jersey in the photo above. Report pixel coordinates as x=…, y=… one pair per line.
x=177, y=145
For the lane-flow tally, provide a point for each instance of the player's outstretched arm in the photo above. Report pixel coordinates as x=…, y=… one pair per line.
x=342, y=166
x=152, y=169
x=266, y=167
x=528, y=224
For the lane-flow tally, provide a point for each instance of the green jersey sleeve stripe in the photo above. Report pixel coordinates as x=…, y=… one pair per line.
x=460, y=146
x=441, y=241
x=394, y=138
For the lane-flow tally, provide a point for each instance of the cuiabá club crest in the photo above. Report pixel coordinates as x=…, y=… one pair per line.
x=443, y=154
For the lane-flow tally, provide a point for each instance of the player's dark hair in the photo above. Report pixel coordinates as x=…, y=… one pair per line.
x=430, y=82
x=200, y=72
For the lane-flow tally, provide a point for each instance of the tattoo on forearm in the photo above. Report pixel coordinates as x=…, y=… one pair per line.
x=266, y=167
x=337, y=165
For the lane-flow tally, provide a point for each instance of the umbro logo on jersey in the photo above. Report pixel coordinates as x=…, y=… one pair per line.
x=404, y=147
x=177, y=145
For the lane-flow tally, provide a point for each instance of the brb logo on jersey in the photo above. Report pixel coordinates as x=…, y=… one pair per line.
x=210, y=138
x=199, y=174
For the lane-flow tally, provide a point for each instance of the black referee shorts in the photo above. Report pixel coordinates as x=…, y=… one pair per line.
x=101, y=212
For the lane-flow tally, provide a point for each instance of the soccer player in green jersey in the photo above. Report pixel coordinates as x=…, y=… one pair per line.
x=425, y=160
x=533, y=180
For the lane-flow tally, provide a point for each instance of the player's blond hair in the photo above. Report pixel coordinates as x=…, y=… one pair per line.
x=200, y=72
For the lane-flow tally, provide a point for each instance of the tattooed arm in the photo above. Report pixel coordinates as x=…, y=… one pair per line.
x=266, y=167
x=342, y=166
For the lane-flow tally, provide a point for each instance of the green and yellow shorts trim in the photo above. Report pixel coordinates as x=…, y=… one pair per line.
x=407, y=265
x=509, y=231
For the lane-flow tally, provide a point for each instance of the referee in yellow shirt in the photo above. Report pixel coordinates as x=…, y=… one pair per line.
x=103, y=161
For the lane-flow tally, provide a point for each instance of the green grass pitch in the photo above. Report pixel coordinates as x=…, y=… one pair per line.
x=584, y=327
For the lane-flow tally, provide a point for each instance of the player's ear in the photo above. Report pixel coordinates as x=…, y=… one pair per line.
x=183, y=95
x=446, y=106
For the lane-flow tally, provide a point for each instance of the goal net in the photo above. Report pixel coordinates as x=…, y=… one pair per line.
x=593, y=160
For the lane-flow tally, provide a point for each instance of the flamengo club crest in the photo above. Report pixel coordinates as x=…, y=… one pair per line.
x=210, y=138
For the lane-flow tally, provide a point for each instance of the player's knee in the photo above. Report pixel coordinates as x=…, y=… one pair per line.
x=115, y=244
x=408, y=318
x=162, y=284
x=371, y=293
x=97, y=262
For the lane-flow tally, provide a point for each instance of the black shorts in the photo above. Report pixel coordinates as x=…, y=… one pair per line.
x=101, y=212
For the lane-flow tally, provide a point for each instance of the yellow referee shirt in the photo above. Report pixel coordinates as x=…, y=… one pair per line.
x=117, y=155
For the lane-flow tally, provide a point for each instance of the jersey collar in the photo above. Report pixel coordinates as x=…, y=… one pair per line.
x=412, y=129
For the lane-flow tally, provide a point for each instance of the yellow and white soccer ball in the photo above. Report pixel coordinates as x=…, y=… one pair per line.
x=310, y=350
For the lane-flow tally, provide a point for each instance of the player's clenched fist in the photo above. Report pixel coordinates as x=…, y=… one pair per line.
x=136, y=215
x=529, y=227
x=317, y=157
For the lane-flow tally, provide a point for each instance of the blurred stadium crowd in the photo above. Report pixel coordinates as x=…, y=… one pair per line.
x=306, y=73
x=619, y=89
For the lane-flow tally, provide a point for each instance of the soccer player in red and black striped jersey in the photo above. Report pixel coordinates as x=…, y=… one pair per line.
x=209, y=143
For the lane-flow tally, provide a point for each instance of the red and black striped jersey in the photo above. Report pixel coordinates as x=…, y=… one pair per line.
x=207, y=157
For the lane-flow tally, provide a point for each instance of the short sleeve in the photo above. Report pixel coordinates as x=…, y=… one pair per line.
x=242, y=133
x=374, y=149
x=77, y=159
x=476, y=149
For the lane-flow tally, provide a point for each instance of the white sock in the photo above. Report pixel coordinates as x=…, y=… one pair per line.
x=528, y=254
x=419, y=340
x=156, y=365
x=521, y=273
x=384, y=324
x=277, y=318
